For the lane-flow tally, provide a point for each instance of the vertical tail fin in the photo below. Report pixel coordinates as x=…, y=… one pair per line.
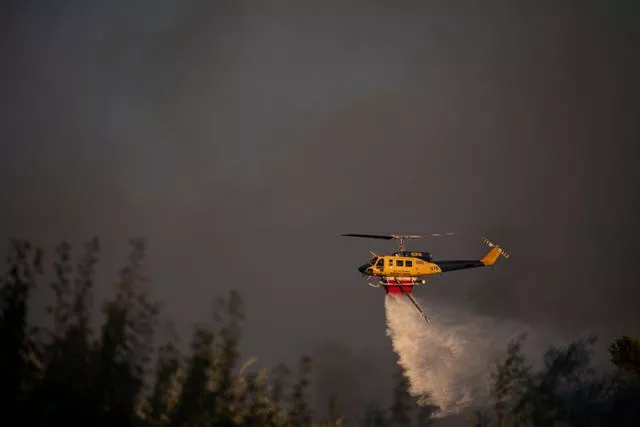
x=492, y=256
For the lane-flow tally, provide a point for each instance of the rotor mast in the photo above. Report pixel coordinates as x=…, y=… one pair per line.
x=401, y=243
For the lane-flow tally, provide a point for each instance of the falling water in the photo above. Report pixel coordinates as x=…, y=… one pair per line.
x=450, y=358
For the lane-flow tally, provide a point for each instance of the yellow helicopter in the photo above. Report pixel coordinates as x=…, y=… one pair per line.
x=400, y=271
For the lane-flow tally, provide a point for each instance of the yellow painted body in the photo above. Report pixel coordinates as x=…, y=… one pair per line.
x=404, y=266
x=401, y=266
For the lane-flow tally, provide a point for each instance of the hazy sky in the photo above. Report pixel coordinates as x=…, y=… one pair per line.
x=243, y=137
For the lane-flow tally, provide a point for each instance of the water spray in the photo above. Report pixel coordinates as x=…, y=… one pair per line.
x=448, y=360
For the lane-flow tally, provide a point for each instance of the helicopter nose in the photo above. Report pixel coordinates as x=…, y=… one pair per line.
x=363, y=268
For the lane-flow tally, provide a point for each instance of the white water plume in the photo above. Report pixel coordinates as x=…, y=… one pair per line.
x=450, y=358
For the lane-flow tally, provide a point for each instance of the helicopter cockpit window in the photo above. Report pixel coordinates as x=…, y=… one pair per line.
x=380, y=262
x=372, y=261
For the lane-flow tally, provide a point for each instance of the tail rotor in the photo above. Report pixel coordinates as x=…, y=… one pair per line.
x=493, y=245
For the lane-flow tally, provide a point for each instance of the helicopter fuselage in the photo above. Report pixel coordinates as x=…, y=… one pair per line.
x=401, y=264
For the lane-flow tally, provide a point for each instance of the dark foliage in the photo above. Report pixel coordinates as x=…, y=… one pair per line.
x=565, y=391
x=71, y=375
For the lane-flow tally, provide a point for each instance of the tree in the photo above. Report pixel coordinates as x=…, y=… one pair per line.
x=68, y=371
x=509, y=380
x=165, y=392
x=261, y=409
x=193, y=406
x=402, y=401
x=625, y=355
x=228, y=315
x=18, y=367
x=375, y=417
x=300, y=412
x=125, y=346
x=70, y=374
x=279, y=382
x=564, y=392
x=425, y=412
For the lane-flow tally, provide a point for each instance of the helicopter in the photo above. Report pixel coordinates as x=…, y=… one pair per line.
x=401, y=270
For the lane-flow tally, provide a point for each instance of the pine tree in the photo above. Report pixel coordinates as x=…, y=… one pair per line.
x=193, y=407
x=425, y=412
x=125, y=347
x=625, y=354
x=261, y=409
x=335, y=410
x=18, y=369
x=509, y=379
x=402, y=401
x=625, y=394
x=300, y=412
x=69, y=374
x=228, y=315
x=165, y=390
x=61, y=310
x=279, y=382
x=374, y=417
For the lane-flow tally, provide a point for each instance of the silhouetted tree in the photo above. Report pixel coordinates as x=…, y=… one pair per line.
x=19, y=363
x=193, y=405
x=625, y=354
x=68, y=374
x=261, y=409
x=374, y=416
x=545, y=401
x=402, y=401
x=425, y=412
x=229, y=315
x=279, y=382
x=61, y=310
x=165, y=392
x=335, y=409
x=565, y=391
x=300, y=413
x=126, y=343
x=509, y=379
x=625, y=389
x=71, y=375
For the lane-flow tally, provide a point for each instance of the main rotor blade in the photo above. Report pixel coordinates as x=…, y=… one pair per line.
x=369, y=236
x=396, y=236
x=422, y=236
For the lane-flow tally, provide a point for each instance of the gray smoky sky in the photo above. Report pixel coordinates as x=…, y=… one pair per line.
x=241, y=138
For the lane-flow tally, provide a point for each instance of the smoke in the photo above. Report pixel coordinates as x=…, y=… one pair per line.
x=449, y=360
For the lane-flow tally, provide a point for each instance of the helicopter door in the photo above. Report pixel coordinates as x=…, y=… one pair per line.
x=401, y=266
